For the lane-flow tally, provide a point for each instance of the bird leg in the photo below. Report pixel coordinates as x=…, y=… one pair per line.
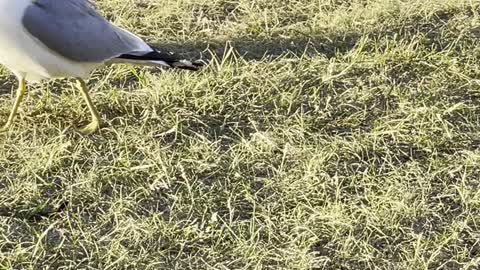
x=20, y=93
x=96, y=120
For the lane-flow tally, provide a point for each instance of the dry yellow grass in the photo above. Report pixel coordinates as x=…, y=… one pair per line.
x=323, y=135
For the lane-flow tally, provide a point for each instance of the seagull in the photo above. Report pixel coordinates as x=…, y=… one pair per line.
x=48, y=39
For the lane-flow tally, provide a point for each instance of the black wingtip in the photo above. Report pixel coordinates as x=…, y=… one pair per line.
x=169, y=58
x=188, y=65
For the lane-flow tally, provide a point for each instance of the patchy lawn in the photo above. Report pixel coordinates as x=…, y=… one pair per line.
x=322, y=135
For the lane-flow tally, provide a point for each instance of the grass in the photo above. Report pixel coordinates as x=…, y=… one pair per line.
x=323, y=135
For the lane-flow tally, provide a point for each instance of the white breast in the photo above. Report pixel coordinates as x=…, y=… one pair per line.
x=25, y=55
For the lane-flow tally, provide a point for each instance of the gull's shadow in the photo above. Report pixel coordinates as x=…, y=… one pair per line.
x=320, y=42
x=251, y=48
x=428, y=33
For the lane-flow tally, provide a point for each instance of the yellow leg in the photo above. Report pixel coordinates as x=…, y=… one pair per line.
x=18, y=100
x=96, y=120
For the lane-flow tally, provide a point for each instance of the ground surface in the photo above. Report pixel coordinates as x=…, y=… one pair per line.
x=325, y=134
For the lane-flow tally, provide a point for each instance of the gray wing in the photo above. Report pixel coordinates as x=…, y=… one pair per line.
x=73, y=29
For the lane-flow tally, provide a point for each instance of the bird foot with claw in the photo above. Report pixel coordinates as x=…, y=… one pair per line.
x=90, y=128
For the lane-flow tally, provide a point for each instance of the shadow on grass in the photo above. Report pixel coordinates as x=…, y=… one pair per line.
x=432, y=34
x=8, y=84
x=250, y=48
x=327, y=43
